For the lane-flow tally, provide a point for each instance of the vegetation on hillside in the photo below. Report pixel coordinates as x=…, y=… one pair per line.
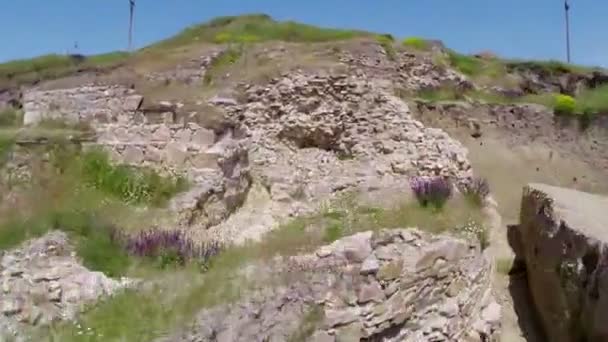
x=36, y=69
x=255, y=28
x=130, y=315
x=83, y=194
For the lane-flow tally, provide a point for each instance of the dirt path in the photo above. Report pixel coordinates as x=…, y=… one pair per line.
x=508, y=169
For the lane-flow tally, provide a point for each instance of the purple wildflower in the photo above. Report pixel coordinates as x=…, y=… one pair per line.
x=160, y=243
x=431, y=190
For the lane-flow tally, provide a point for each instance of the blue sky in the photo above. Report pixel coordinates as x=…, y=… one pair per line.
x=511, y=28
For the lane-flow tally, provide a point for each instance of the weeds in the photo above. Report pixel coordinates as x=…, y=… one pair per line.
x=131, y=185
x=476, y=190
x=433, y=191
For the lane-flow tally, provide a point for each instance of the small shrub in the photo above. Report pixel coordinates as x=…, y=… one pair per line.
x=433, y=191
x=416, y=43
x=564, y=104
x=476, y=190
x=170, y=247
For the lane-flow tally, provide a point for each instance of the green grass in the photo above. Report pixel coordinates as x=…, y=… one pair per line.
x=593, y=100
x=387, y=41
x=147, y=314
x=131, y=185
x=416, y=43
x=88, y=231
x=227, y=58
x=255, y=27
x=54, y=66
x=83, y=189
x=468, y=65
x=11, y=118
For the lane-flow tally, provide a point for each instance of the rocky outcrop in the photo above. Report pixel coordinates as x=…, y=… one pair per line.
x=563, y=242
x=392, y=285
x=89, y=103
x=42, y=281
x=405, y=70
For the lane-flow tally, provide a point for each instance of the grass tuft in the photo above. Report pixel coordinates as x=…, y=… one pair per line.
x=386, y=41
x=468, y=65
x=416, y=43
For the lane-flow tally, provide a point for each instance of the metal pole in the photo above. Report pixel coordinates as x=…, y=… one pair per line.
x=567, y=8
x=131, y=8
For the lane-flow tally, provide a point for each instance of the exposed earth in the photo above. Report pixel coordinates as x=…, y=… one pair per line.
x=252, y=180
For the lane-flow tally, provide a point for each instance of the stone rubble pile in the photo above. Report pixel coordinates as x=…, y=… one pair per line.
x=392, y=285
x=311, y=137
x=405, y=70
x=42, y=281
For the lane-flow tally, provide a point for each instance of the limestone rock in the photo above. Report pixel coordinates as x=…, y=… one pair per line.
x=563, y=241
x=47, y=284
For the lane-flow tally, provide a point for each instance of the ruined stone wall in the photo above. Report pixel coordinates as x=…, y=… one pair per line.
x=172, y=148
x=84, y=103
x=563, y=241
x=393, y=285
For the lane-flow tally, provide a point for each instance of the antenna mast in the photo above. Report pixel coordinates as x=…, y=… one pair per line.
x=567, y=9
x=131, y=10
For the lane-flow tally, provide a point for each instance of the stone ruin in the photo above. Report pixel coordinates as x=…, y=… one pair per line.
x=392, y=285
x=290, y=146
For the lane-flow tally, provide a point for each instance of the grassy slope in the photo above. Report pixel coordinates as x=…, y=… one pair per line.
x=242, y=29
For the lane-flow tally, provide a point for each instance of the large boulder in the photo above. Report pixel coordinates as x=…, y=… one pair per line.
x=563, y=239
x=392, y=285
